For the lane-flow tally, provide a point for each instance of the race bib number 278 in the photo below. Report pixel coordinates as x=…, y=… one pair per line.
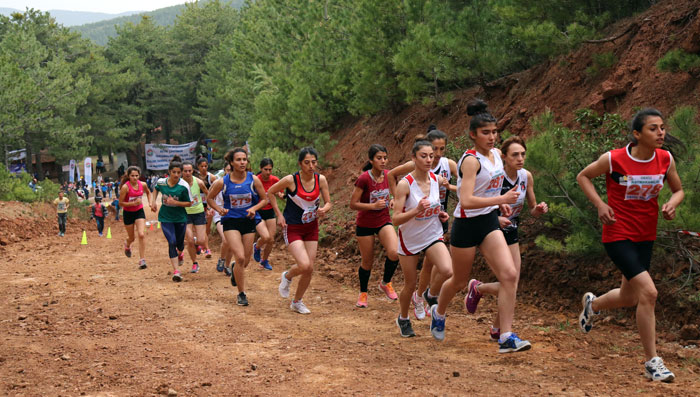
x=643, y=187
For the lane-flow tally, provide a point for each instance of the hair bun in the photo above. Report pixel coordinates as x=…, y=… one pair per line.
x=477, y=106
x=177, y=158
x=432, y=127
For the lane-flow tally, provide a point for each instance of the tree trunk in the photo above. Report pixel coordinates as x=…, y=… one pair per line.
x=28, y=159
x=39, y=167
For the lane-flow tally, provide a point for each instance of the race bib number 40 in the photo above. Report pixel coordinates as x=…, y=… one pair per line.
x=643, y=187
x=240, y=201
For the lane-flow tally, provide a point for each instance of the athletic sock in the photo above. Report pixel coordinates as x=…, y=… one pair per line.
x=431, y=295
x=402, y=318
x=504, y=337
x=364, y=278
x=389, y=269
x=438, y=315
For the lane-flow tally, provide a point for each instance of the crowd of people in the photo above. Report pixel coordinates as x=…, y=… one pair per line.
x=406, y=209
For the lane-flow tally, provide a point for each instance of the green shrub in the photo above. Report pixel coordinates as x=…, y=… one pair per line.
x=678, y=61
x=601, y=62
x=16, y=187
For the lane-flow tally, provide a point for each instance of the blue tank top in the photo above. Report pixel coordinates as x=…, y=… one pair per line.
x=239, y=197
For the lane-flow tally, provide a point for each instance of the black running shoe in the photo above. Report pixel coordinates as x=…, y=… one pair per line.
x=405, y=328
x=429, y=300
x=233, y=277
x=229, y=270
x=242, y=299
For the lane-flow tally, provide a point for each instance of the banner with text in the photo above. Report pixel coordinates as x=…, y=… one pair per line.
x=71, y=171
x=158, y=155
x=88, y=171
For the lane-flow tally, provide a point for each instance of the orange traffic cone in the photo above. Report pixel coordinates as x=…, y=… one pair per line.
x=151, y=228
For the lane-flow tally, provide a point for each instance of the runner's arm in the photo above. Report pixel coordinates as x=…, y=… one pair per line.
x=674, y=182
x=146, y=190
x=535, y=209
x=326, y=194
x=261, y=193
x=400, y=217
x=281, y=185
x=467, y=199
x=396, y=173
x=595, y=169
x=214, y=190
x=453, y=171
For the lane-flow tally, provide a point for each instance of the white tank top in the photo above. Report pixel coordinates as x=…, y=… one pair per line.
x=521, y=182
x=219, y=200
x=425, y=228
x=489, y=180
x=443, y=170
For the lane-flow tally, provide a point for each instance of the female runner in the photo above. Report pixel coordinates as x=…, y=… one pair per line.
x=300, y=222
x=444, y=168
x=634, y=176
x=372, y=201
x=479, y=183
x=262, y=249
x=208, y=178
x=131, y=199
x=196, y=217
x=513, y=151
x=243, y=196
x=419, y=215
x=172, y=215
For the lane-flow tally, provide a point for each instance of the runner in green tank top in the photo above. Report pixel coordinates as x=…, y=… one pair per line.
x=196, y=218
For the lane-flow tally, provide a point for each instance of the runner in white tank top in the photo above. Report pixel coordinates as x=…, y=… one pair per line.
x=418, y=214
x=488, y=182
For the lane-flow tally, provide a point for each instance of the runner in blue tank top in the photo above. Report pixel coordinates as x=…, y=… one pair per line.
x=243, y=195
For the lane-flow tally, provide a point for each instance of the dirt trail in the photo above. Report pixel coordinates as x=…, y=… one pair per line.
x=83, y=320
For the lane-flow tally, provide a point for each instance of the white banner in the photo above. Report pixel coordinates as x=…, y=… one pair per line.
x=88, y=172
x=15, y=155
x=158, y=155
x=71, y=171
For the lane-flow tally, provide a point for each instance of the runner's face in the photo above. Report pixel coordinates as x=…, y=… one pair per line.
x=379, y=161
x=227, y=169
x=308, y=165
x=439, y=145
x=653, y=132
x=515, y=158
x=203, y=168
x=423, y=159
x=175, y=174
x=485, y=137
x=240, y=162
x=187, y=172
x=133, y=177
x=266, y=171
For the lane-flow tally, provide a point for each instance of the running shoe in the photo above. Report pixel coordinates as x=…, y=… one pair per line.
x=142, y=264
x=61, y=234
x=228, y=271
x=220, y=265
x=585, y=319
x=299, y=307
x=405, y=328
x=176, y=276
x=100, y=234
x=265, y=264
x=207, y=253
x=127, y=250
x=513, y=344
x=256, y=252
x=473, y=296
x=233, y=276
x=388, y=289
x=195, y=267
x=655, y=370
x=284, y=285
x=437, y=326
x=199, y=250
x=362, y=300
x=418, y=306
x=495, y=333
x=242, y=299
x=429, y=300
x=180, y=258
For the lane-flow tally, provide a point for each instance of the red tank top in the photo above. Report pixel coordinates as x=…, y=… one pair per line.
x=267, y=184
x=133, y=194
x=633, y=186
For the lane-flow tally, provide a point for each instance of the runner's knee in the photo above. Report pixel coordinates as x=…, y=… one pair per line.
x=648, y=295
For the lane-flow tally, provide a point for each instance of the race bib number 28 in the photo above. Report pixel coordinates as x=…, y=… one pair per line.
x=643, y=187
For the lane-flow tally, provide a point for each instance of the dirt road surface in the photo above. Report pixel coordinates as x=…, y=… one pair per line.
x=84, y=320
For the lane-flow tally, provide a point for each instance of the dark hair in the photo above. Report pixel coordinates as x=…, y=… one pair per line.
x=514, y=139
x=232, y=153
x=671, y=143
x=201, y=160
x=420, y=144
x=307, y=150
x=435, y=134
x=266, y=161
x=187, y=162
x=125, y=177
x=176, y=162
x=373, y=150
x=479, y=111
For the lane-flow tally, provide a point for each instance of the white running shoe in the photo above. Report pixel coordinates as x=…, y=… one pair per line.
x=585, y=319
x=418, y=306
x=284, y=286
x=299, y=307
x=655, y=370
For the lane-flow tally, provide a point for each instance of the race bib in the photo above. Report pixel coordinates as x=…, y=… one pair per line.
x=495, y=183
x=134, y=198
x=430, y=213
x=443, y=189
x=516, y=208
x=643, y=187
x=309, y=215
x=376, y=195
x=240, y=201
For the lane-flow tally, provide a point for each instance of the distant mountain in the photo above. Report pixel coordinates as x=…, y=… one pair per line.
x=74, y=18
x=100, y=32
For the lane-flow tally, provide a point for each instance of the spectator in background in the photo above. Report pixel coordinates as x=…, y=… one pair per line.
x=62, y=204
x=120, y=172
x=97, y=212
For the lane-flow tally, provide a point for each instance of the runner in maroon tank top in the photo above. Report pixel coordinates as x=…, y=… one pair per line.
x=634, y=176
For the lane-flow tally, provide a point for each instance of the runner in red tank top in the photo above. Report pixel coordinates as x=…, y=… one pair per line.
x=372, y=201
x=263, y=247
x=634, y=176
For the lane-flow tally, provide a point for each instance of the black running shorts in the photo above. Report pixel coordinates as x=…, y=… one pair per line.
x=630, y=257
x=471, y=232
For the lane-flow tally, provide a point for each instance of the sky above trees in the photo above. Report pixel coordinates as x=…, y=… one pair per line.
x=110, y=7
